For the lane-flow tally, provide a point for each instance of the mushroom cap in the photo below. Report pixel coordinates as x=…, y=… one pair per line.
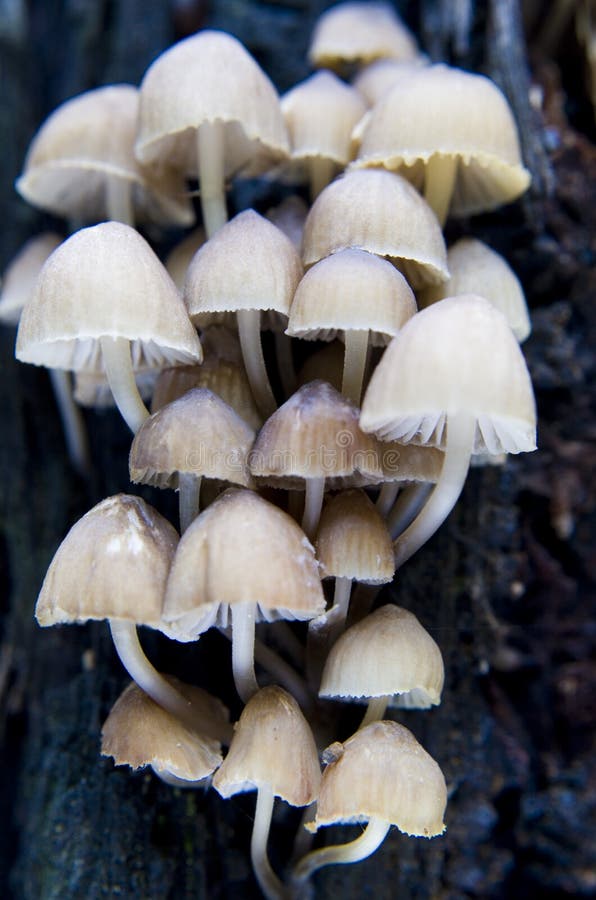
x=476, y=269
x=273, y=746
x=112, y=564
x=21, y=274
x=444, y=111
x=241, y=549
x=248, y=264
x=198, y=434
x=320, y=114
x=352, y=540
x=458, y=355
x=139, y=733
x=380, y=212
x=86, y=142
x=315, y=434
x=92, y=389
x=178, y=259
x=210, y=77
x=411, y=462
x=354, y=787
x=105, y=281
x=289, y=216
x=376, y=79
x=356, y=32
x=388, y=652
x=352, y=290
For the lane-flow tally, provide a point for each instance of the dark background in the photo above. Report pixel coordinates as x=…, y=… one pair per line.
x=506, y=587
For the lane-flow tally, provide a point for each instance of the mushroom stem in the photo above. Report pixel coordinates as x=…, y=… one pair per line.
x=75, y=434
x=285, y=362
x=375, y=710
x=313, y=503
x=461, y=429
x=132, y=657
x=387, y=497
x=407, y=506
x=249, y=332
x=354, y=364
x=243, y=649
x=321, y=172
x=324, y=630
x=210, y=151
x=121, y=378
x=370, y=840
x=439, y=181
x=189, y=492
x=119, y=201
x=269, y=883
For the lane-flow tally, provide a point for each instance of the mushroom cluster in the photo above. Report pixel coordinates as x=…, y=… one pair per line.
x=287, y=480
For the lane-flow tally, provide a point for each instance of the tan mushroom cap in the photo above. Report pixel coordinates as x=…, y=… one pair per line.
x=210, y=77
x=21, y=274
x=354, y=787
x=411, y=462
x=380, y=212
x=352, y=290
x=241, y=549
x=84, y=144
x=359, y=33
x=458, y=355
x=105, y=281
x=376, y=79
x=388, y=652
x=476, y=269
x=248, y=264
x=320, y=114
x=198, y=434
x=139, y=733
x=445, y=112
x=113, y=563
x=352, y=540
x=315, y=434
x=272, y=746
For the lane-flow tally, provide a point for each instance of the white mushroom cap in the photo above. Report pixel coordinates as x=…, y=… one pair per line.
x=21, y=274
x=356, y=32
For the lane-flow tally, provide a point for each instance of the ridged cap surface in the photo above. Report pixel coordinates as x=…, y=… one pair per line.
x=352, y=540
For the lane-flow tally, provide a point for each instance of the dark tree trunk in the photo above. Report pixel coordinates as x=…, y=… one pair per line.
x=506, y=587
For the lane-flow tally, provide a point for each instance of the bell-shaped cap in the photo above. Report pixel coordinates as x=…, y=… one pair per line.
x=356, y=32
x=112, y=564
x=458, y=355
x=179, y=258
x=375, y=80
x=272, y=746
x=105, y=281
x=352, y=540
x=383, y=772
x=241, y=549
x=21, y=274
x=386, y=653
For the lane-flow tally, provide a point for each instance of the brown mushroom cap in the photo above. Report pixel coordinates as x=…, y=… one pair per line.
x=273, y=746
x=352, y=540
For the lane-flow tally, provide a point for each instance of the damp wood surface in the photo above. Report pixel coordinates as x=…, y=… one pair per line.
x=506, y=587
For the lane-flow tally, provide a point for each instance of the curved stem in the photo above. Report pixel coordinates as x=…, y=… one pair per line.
x=132, y=657
x=387, y=497
x=243, y=649
x=321, y=173
x=121, y=378
x=375, y=710
x=210, y=152
x=249, y=332
x=285, y=362
x=119, y=206
x=75, y=433
x=269, y=883
x=313, y=503
x=439, y=181
x=189, y=491
x=407, y=506
x=461, y=429
x=356, y=348
x=370, y=840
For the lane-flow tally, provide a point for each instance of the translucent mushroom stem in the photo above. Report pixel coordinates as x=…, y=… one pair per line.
x=73, y=424
x=121, y=378
x=356, y=343
x=375, y=710
x=249, y=332
x=243, y=649
x=370, y=840
x=387, y=497
x=439, y=181
x=189, y=492
x=269, y=883
x=210, y=151
x=119, y=206
x=461, y=428
x=407, y=506
x=132, y=657
x=321, y=173
x=313, y=503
